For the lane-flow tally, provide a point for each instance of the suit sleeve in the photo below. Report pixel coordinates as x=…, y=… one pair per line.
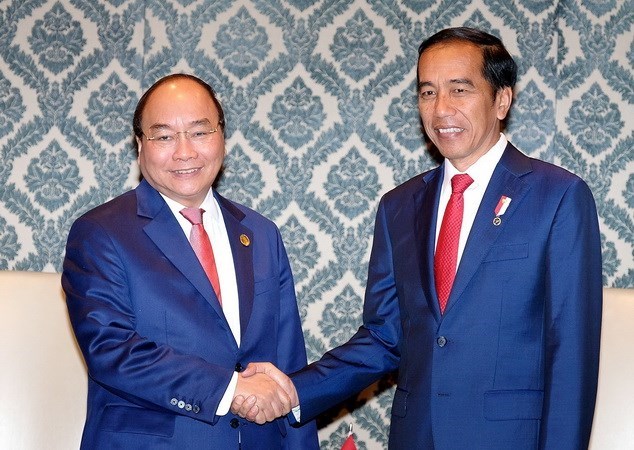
x=573, y=321
x=117, y=356
x=291, y=355
x=372, y=352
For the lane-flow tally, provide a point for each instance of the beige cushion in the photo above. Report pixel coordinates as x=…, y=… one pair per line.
x=613, y=427
x=42, y=375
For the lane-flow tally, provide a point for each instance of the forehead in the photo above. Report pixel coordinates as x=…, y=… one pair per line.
x=450, y=59
x=179, y=99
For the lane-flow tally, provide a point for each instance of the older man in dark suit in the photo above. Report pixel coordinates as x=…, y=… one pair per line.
x=172, y=289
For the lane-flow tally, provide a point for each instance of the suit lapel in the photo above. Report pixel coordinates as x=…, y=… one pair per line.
x=164, y=230
x=242, y=252
x=426, y=211
x=506, y=180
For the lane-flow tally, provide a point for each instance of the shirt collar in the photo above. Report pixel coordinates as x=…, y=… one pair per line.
x=209, y=204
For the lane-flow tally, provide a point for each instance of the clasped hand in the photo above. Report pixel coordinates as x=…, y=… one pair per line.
x=263, y=393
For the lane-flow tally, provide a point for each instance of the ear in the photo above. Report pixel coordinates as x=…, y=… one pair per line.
x=139, y=147
x=503, y=100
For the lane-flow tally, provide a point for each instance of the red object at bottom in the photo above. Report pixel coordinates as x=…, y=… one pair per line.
x=349, y=444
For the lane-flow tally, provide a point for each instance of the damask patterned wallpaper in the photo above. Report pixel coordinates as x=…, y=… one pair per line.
x=321, y=121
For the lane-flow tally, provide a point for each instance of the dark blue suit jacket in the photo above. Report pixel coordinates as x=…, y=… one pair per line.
x=158, y=348
x=513, y=362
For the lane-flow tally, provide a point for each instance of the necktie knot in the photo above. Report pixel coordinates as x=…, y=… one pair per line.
x=460, y=183
x=194, y=215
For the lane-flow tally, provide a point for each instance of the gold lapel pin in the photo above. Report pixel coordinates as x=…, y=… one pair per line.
x=244, y=240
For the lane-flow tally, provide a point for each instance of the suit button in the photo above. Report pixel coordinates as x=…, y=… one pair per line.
x=441, y=341
x=235, y=423
x=181, y=404
x=196, y=409
x=239, y=367
x=174, y=402
x=188, y=407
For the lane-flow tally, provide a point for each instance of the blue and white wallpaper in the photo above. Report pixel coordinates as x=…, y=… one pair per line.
x=321, y=121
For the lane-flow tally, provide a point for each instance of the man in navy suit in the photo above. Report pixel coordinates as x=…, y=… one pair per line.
x=510, y=359
x=163, y=348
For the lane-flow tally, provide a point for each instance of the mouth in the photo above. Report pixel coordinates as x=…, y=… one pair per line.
x=449, y=130
x=186, y=171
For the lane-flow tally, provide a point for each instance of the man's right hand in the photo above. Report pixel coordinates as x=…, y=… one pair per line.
x=266, y=402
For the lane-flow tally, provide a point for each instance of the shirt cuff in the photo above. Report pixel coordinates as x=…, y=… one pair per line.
x=297, y=413
x=227, y=398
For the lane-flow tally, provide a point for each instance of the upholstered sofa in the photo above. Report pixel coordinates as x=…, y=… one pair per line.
x=42, y=374
x=43, y=377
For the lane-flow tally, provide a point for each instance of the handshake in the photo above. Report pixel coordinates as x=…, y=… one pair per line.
x=263, y=393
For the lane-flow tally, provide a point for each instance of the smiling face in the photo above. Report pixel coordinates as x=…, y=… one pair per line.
x=460, y=112
x=185, y=171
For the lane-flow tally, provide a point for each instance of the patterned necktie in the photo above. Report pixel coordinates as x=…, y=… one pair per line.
x=446, y=256
x=202, y=246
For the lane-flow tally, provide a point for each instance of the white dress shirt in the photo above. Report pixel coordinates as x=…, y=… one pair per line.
x=214, y=225
x=480, y=172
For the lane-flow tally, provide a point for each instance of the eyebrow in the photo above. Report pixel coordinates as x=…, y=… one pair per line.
x=195, y=123
x=466, y=81
x=461, y=81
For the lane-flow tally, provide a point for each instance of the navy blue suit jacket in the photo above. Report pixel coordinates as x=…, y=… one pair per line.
x=158, y=348
x=513, y=362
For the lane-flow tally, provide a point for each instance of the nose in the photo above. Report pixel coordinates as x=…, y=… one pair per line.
x=184, y=150
x=443, y=106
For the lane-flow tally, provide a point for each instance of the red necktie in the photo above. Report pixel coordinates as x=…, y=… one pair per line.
x=446, y=256
x=202, y=246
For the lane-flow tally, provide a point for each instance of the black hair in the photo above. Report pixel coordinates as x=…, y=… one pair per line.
x=498, y=66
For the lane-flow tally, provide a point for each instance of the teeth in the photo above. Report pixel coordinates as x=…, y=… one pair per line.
x=449, y=130
x=185, y=171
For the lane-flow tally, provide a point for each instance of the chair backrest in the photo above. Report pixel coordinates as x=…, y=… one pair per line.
x=43, y=379
x=613, y=426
